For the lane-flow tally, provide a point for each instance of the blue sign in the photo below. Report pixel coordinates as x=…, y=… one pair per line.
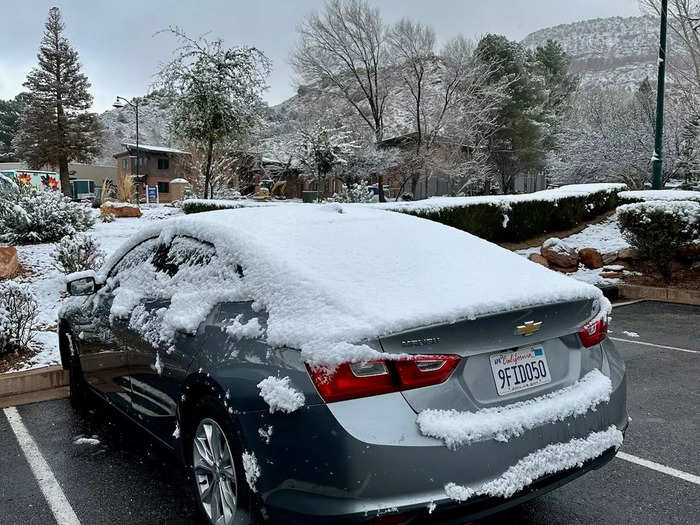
x=153, y=192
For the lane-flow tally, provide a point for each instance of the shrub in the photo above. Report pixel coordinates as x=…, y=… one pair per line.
x=75, y=253
x=30, y=215
x=201, y=205
x=358, y=192
x=18, y=311
x=504, y=218
x=658, y=228
x=106, y=215
x=125, y=188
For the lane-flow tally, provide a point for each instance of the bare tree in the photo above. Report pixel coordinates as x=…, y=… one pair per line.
x=345, y=46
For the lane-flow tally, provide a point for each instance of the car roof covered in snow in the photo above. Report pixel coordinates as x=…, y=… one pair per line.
x=333, y=275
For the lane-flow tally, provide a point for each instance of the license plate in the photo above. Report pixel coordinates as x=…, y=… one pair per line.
x=518, y=370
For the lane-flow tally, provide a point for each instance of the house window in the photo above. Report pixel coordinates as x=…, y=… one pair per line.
x=163, y=187
x=125, y=164
x=163, y=164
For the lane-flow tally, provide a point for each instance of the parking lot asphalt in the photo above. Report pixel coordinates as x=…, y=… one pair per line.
x=111, y=473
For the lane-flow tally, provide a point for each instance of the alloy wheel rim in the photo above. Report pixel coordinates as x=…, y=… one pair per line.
x=214, y=473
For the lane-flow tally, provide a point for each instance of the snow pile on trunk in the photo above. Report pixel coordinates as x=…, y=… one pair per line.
x=331, y=281
x=280, y=395
x=660, y=195
x=548, y=460
x=504, y=422
x=251, y=469
x=251, y=329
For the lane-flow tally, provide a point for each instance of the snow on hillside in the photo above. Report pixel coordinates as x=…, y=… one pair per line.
x=607, y=52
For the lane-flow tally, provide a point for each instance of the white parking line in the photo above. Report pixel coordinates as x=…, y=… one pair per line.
x=692, y=478
x=48, y=484
x=657, y=346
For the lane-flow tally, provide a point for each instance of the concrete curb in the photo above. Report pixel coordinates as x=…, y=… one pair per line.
x=653, y=293
x=49, y=382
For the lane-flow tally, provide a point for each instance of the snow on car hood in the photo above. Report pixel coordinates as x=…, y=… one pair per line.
x=333, y=276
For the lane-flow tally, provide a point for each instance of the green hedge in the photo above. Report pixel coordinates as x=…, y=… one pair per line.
x=200, y=205
x=526, y=218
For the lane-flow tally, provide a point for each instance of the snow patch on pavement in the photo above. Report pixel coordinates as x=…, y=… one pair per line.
x=548, y=460
x=457, y=428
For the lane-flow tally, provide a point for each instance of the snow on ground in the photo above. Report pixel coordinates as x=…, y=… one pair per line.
x=502, y=423
x=660, y=195
x=319, y=260
x=604, y=236
x=48, y=284
x=548, y=460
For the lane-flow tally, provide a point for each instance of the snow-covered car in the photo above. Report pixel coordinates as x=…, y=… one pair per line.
x=306, y=373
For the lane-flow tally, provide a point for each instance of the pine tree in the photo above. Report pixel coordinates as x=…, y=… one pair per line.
x=56, y=127
x=10, y=114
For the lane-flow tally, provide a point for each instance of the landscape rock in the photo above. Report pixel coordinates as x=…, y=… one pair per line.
x=609, y=257
x=591, y=258
x=9, y=265
x=537, y=258
x=611, y=275
x=121, y=209
x=628, y=254
x=689, y=250
x=559, y=254
x=564, y=269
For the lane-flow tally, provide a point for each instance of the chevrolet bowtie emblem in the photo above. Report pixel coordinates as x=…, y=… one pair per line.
x=529, y=328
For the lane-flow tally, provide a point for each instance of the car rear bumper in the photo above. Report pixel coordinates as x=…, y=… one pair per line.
x=318, y=469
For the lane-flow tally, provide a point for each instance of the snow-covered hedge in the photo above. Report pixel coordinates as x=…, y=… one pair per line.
x=200, y=205
x=658, y=228
x=516, y=217
x=18, y=311
x=659, y=195
x=30, y=215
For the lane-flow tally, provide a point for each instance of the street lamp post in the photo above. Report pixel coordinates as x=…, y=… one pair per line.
x=135, y=104
x=656, y=159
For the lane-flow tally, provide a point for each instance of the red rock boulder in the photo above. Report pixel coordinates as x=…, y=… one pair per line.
x=537, y=258
x=122, y=209
x=559, y=254
x=591, y=258
x=9, y=265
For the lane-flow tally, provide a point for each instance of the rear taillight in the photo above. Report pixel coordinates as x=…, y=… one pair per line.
x=353, y=380
x=594, y=331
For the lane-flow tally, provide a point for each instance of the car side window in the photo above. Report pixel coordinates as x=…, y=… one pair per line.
x=182, y=252
x=138, y=255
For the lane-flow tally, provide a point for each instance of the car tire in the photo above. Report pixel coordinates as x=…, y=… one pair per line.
x=210, y=411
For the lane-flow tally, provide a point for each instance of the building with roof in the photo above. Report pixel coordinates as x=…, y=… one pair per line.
x=158, y=166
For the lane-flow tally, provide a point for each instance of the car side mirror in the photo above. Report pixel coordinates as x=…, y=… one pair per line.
x=81, y=283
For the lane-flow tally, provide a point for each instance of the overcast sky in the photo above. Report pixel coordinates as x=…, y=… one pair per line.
x=120, y=53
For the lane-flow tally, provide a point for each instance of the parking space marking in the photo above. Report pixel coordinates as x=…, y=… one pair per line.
x=59, y=505
x=633, y=301
x=657, y=346
x=692, y=478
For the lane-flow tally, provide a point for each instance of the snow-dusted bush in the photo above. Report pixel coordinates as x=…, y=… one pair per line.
x=106, y=215
x=358, y=192
x=31, y=215
x=78, y=252
x=658, y=228
x=18, y=311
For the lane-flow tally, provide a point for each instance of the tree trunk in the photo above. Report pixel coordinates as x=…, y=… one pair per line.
x=207, y=171
x=380, y=187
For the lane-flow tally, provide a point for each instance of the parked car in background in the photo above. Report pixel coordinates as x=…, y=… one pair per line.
x=299, y=387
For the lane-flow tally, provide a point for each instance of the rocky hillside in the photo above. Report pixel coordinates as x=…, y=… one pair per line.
x=120, y=126
x=610, y=52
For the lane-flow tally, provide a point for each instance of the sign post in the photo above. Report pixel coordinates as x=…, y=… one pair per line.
x=152, y=193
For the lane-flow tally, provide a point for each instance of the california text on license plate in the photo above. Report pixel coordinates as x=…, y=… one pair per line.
x=520, y=369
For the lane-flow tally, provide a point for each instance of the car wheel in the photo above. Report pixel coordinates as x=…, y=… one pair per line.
x=220, y=487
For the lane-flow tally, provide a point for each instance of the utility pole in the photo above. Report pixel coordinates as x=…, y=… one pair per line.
x=656, y=160
x=135, y=104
